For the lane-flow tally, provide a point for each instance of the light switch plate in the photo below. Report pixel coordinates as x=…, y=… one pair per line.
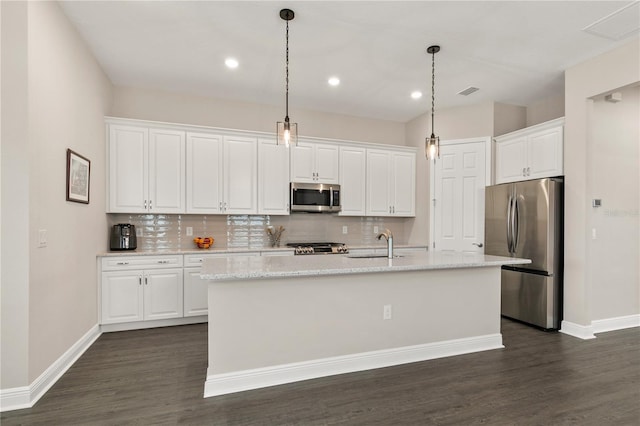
x=42, y=237
x=189, y=231
x=345, y=229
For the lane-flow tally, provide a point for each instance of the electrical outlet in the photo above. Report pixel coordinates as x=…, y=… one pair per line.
x=375, y=229
x=189, y=231
x=386, y=312
x=345, y=229
x=42, y=237
x=138, y=232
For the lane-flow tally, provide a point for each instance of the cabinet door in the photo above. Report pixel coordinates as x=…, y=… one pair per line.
x=273, y=178
x=302, y=163
x=166, y=171
x=511, y=159
x=127, y=169
x=326, y=163
x=403, y=178
x=378, y=183
x=122, y=297
x=240, y=175
x=204, y=173
x=544, y=154
x=195, y=293
x=163, y=294
x=353, y=180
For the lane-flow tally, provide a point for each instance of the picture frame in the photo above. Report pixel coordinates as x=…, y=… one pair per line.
x=78, y=177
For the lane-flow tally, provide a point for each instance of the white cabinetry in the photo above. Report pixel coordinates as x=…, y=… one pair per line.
x=146, y=170
x=141, y=288
x=221, y=174
x=390, y=183
x=273, y=178
x=314, y=163
x=353, y=180
x=531, y=153
x=195, y=288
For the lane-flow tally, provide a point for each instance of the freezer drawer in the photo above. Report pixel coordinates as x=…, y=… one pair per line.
x=531, y=298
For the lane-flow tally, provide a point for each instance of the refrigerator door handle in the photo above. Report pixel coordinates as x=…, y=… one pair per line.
x=515, y=230
x=509, y=211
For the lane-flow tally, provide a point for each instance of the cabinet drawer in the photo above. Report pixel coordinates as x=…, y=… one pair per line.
x=137, y=262
x=196, y=259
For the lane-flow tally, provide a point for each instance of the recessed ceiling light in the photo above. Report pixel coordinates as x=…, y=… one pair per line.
x=334, y=81
x=416, y=95
x=231, y=63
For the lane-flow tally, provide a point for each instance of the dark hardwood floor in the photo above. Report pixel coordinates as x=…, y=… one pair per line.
x=156, y=376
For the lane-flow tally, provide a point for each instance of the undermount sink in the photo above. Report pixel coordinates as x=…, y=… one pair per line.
x=369, y=256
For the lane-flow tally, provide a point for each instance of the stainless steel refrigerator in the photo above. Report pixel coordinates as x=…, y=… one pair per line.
x=525, y=219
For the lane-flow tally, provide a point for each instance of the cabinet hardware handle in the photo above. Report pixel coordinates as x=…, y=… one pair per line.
x=163, y=261
x=479, y=245
x=220, y=206
x=139, y=280
x=528, y=171
x=145, y=204
x=150, y=207
x=122, y=263
x=394, y=209
x=145, y=281
x=524, y=171
x=225, y=206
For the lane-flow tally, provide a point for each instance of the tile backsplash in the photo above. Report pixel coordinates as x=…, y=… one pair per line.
x=169, y=232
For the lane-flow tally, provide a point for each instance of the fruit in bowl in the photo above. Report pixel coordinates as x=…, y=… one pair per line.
x=203, y=242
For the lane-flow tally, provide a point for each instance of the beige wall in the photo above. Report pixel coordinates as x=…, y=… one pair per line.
x=605, y=73
x=14, y=284
x=507, y=118
x=63, y=97
x=187, y=109
x=545, y=110
x=614, y=177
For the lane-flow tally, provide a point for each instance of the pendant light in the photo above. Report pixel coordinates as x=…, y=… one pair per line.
x=287, y=131
x=432, y=143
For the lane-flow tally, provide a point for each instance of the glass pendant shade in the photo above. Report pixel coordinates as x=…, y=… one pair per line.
x=432, y=147
x=287, y=132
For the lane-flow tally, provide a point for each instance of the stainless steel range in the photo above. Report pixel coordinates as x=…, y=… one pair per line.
x=319, y=248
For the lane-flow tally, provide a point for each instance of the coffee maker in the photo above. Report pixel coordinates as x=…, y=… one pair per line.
x=123, y=237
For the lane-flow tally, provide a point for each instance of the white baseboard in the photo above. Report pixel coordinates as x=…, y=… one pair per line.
x=27, y=396
x=583, y=332
x=220, y=384
x=139, y=325
x=617, y=323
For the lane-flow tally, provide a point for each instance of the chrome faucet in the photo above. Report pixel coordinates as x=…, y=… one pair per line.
x=389, y=237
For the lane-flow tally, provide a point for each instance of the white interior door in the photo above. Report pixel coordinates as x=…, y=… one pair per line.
x=459, y=179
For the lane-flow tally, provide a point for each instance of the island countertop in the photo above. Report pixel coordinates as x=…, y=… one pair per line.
x=242, y=268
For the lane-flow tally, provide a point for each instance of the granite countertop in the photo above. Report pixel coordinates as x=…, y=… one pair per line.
x=212, y=250
x=242, y=268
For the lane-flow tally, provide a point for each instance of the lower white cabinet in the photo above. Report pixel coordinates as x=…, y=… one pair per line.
x=195, y=288
x=141, y=288
x=195, y=293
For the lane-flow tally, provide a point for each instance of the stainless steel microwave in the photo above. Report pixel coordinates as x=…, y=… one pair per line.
x=315, y=198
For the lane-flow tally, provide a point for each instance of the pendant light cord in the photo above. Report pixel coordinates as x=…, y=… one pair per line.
x=433, y=88
x=287, y=76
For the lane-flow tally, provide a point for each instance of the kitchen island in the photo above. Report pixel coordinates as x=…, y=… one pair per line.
x=275, y=320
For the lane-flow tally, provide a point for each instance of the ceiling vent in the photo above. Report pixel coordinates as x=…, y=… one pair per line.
x=469, y=90
x=620, y=24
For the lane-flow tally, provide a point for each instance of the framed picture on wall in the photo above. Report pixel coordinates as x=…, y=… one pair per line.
x=78, y=174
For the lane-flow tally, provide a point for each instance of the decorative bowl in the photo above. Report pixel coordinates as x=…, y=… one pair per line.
x=203, y=242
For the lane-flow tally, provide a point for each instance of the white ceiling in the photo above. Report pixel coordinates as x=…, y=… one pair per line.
x=515, y=52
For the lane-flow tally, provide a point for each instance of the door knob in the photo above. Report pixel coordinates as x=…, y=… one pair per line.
x=479, y=245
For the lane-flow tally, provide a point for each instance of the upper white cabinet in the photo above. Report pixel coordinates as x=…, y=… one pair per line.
x=353, y=180
x=146, y=170
x=531, y=153
x=314, y=163
x=273, y=178
x=391, y=179
x=221, y=174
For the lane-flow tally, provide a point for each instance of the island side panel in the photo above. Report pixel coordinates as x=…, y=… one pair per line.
x=268, y=322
